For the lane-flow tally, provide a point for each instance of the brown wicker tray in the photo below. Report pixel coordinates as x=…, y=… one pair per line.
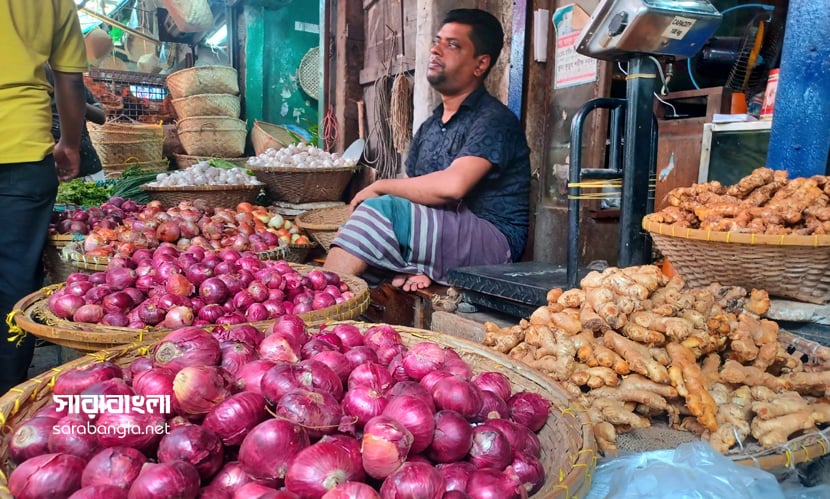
x=322, y=224
x=788, y=266
x=225, y=196
x=304, y=185
x=32, y=315
x=568, y=445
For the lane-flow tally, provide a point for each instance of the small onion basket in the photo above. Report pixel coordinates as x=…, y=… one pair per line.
x=322, y=224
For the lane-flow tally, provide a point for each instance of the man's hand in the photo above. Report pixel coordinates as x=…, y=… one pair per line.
x=67, y=161
x=368, y=192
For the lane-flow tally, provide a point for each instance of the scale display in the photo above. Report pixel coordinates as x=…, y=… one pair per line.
x=620, y=28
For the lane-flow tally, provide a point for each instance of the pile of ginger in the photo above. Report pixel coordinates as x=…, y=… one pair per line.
x=631, y=345
x=763, y=202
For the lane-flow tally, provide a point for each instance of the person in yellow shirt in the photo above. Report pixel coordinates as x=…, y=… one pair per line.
x=33, y=33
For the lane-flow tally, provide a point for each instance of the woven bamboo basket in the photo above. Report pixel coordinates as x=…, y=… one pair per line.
x=114, y=171
x=795, y=267
x=184, y=161
x=32, y=315
x=117, y=131
x=224, y=196
x=119, y=152
x=322, y=224
x=304, y=185
x=269, y=136
x=57, y=268
x=207, y=105
x=80, y=261
x=298, y=253
x=568, y=445
x=214, y=136
x=203, y=80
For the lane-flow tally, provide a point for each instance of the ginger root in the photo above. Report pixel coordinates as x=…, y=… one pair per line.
x=502, y=339
x=687, y=377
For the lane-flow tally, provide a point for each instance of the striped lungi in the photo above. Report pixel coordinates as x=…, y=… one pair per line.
x=393, y=233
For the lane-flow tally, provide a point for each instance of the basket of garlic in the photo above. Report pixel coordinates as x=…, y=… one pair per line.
x=303, y=173
x=223, y=187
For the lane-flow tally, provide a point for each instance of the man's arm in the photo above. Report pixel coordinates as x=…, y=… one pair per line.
x=71, y=101
x=94, y=111
x=434, y=189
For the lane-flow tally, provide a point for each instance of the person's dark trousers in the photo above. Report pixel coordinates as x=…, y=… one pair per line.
x=27, y=195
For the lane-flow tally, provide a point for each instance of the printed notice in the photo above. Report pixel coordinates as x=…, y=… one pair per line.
x=571, y=67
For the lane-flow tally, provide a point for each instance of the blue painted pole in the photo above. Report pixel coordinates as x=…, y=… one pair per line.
x=515, y=93
x=800, y=135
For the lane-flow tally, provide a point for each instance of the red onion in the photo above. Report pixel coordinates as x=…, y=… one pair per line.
x=211, y=313
x=453, y=437
x=47, y=475
x=511, y=430
x=494, y=382
x=74, y=381
x=115, y=319
x=188, y=346
x=386, y=443
x=337, y=362
x=257, y=312
x=199, y=388
x=395, y=366
x=89, y=313
x=230, y=478
x=161, y=481
x=414, y=481
x=350, y=336
x=51, y=410
x=99, y=491
x=118, y=302
x=456, y=365
x=98, y=277
x=363, y=403
x=416, y=416
x=494, y=484
x=322, y=300
x=119, y=278
x=529, y=470
x=456, y=474
x=314, y=346
x=529, y=409
x=321, y=467
x=455, y=494
x=198, y=273
x=319, y=413
x=117, y=466
x=156, y=381
x=214, y=290
x=492, y=407
x=258, y=291
x=360, y=355
x=330, y=338
x=352, y=490
x=31, y=438
x=249, y=377
x=382, y=334
x=490, y=449
x=293, y=326
x=233, y=418
x=231, y=318
x=423, y=358
x=318, y=279
x=244, y=333
x=256, y=490
x=429, y=380
x=530, y=443
x=388, y=352
x=456, y=394
x=270, y=446
x=412, y=389
x=73, y=436
x=370, y=375
x=76, y=276
x=96, y=295
x=64, y=305
x=77, y=288
x=117, y=430
x=178, y=317
x=193, y=444
x=235, y=355
x=279, y=347
x=242, y=299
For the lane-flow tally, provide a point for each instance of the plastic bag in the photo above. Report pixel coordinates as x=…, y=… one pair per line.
x=692, y=471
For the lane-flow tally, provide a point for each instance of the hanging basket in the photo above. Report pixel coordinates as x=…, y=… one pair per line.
x=207, y=105
x=213, y=136
x=203, y=80
x=269, y=136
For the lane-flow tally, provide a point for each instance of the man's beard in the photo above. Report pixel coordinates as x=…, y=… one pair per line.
x=436, y=79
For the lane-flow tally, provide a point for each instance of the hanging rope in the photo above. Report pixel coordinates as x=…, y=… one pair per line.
x=329, y=135
x=386, y=159
x=400, y=115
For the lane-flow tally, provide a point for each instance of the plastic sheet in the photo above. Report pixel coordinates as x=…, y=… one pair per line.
x=692, y=471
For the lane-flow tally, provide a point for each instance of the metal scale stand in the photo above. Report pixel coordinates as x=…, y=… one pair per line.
x=636, y=31
x=632, y=30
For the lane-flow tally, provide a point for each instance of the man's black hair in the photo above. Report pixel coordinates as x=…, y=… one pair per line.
x=486, y=32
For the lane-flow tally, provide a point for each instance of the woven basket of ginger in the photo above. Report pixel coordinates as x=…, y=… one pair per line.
x=636, y=347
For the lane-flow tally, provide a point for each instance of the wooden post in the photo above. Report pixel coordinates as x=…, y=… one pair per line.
x=349, y=47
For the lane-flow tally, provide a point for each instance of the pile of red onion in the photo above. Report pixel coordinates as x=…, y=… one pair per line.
x=335, y=414
x=169, y=288
x=82, y=220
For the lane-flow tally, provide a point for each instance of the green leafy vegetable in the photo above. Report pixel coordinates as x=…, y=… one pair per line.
x=83, y=193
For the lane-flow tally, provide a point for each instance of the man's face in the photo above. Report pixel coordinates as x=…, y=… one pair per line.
x=453, y=66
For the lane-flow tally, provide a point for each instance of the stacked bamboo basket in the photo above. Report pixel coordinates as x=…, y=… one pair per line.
x=122, y=145
x=206, y=100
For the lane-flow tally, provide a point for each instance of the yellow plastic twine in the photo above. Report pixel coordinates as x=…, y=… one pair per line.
x=16, y=334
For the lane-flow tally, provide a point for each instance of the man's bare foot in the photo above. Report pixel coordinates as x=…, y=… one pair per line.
x=399, y=280
x=416, y=282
